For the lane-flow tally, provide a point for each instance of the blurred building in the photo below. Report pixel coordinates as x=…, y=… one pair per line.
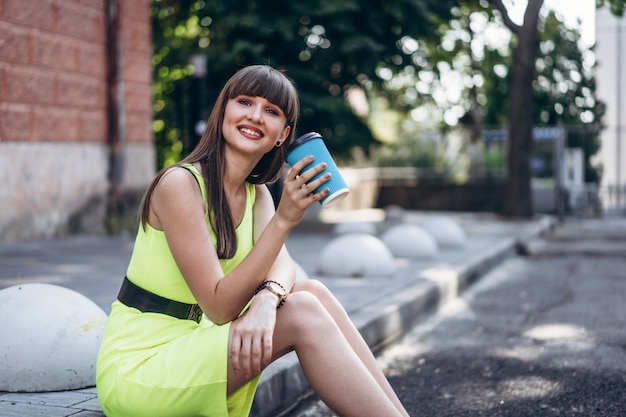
x=75, y=113
x=611, y=89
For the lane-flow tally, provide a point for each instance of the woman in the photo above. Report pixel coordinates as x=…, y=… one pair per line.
x=211, y=242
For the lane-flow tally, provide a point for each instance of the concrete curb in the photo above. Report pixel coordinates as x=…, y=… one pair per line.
x=415, y=292
x=284, y=388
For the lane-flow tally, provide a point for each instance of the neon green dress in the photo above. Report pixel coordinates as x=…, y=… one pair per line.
x=152, y=364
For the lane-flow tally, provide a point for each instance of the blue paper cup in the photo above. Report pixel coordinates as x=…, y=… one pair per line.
x=313, y=144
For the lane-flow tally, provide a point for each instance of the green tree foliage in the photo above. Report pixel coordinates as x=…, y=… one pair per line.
x=564, y=89
x=616, y=6
x=478, y=48
x=326, y=46
x=558, y=88
x=518, y=200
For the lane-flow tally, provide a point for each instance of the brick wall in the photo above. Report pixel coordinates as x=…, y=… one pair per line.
x=53, y=109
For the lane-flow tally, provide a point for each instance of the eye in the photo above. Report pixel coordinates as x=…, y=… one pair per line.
x=244, y=101
x=273, y=112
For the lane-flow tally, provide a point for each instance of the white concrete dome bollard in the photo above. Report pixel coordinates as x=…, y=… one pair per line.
x=50, y=338
x=344, y=228
x=445, y=231
x=356, y=255
x=410, y=241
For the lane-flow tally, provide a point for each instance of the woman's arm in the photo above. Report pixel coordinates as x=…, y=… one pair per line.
x=177, y=209
x=283, y=270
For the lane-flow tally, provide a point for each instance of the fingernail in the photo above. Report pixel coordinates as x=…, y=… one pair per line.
x=328, y=175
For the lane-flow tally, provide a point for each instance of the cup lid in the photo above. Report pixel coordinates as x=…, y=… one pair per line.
x=304, y=138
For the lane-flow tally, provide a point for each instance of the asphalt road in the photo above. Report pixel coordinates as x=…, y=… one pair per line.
x=542, y=334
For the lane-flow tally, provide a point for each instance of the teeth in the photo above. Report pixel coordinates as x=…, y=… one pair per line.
x=250, y=132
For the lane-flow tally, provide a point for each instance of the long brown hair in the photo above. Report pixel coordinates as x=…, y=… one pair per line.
x=255, y=81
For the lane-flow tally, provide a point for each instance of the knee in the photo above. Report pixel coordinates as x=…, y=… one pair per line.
x=303, y=309
x=303, y=314
x=303, y=301
x=313, y=286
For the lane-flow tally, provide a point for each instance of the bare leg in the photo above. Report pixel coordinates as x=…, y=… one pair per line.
x=352, y=335
x=331, y=365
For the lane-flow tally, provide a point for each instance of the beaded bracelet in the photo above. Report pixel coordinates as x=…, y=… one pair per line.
x=265, y=284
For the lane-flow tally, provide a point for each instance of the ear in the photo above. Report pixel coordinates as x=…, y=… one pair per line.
x=284, y=134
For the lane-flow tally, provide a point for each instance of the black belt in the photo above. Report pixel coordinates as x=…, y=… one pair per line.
x=147, y=302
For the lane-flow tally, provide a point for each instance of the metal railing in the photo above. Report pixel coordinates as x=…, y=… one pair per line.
x=613, y=198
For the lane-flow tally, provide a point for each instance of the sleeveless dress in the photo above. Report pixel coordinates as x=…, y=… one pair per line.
x=152, y=364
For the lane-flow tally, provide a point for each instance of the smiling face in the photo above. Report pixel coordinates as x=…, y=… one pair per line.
x=253, y=125
x=251, y=83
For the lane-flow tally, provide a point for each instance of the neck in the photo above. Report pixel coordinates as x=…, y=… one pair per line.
x=238, y=168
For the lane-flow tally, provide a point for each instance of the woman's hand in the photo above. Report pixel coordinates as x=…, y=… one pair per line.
x=252, y=336
x=298, y=190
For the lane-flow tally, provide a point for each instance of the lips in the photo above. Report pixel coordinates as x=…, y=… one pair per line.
x=251, y=132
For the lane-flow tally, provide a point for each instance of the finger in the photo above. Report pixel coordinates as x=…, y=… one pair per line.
x=267, y=349
x=234, y=350
x=245, y=358
x=255, y=360
x=318, y=196
x=295, y=170
x=309, y=174
x=318, y=182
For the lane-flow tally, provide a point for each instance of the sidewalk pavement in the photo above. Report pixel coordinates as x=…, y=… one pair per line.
x=383, y=308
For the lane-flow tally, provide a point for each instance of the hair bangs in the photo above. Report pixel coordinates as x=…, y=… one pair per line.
x=262, y=81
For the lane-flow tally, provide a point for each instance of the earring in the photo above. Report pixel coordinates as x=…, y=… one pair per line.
x=278, y=143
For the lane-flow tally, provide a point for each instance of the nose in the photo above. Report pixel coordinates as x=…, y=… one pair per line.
x=255, y=114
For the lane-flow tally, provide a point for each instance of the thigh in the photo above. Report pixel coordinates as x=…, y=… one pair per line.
x=302, y=318
x=296, y=320
x=185, y=376
x=197, y=358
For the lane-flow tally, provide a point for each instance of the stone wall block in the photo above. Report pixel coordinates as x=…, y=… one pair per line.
x=16, y=122
x=136, y=97
x=137, y=68
x=40, y=14
x=2, y=87
x=81, y=91
x=27, y=84
x=81, y=21
x=93, y=126
x=15, y=43
x=136, y=36
x=138, y=128
x=55, y=51
x=51, y=123
x=134, y=11
x=92, y=59
x=53, y=116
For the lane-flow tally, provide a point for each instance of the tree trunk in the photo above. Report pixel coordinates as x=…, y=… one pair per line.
x=518, y=201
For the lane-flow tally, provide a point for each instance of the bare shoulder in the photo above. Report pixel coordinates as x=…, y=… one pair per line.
x=262, y=191
x=176, y=193
x=263, y=196
x=177, y=179
x=263, y=208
